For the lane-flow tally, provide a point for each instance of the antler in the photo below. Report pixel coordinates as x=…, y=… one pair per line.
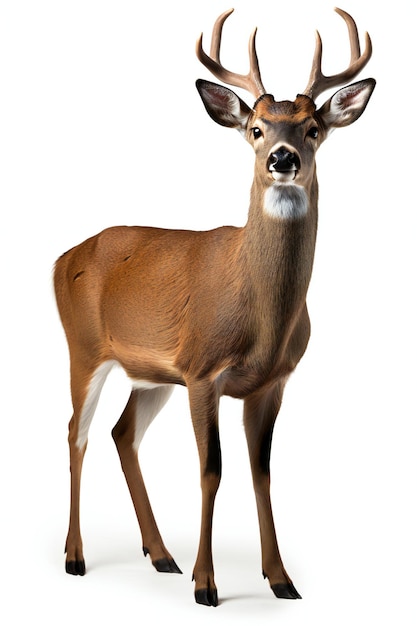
x=318, y=82
x=252, y=81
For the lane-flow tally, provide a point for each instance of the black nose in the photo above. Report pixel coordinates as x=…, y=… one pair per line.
x=283, y=161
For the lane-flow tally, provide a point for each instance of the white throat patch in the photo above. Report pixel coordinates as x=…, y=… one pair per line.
x=286, y=201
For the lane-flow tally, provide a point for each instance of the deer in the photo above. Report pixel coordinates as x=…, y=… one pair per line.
x=220, y=312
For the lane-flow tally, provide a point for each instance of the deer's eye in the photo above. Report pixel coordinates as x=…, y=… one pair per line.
x=256, y=132
x=313, y=132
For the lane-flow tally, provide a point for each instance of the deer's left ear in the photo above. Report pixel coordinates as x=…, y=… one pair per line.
x=347, y=104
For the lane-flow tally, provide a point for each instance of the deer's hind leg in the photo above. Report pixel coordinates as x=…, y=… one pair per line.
x=142, y=407
x=86, y=386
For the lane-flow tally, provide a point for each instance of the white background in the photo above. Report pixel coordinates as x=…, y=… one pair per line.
x=100, y=124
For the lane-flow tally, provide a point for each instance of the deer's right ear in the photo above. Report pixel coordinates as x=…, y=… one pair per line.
x=223, y=105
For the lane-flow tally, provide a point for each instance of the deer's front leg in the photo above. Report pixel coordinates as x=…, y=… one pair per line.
x=204, y=412
x=260, y=411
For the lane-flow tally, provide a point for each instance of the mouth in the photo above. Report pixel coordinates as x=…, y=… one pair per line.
x=284, y=176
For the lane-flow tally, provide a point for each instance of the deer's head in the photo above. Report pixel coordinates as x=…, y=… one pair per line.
x=285, y=135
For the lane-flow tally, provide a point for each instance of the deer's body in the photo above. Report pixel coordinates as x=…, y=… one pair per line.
x=232, y=322
x=222, y=312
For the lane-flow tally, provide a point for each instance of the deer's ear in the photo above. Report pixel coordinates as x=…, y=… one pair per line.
x=347, y=104
x=223, y=105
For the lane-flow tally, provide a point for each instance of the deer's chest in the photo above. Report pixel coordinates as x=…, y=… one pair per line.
x=264, y=365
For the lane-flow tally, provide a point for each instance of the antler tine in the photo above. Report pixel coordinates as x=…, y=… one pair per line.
x=318, y=82
x=250, y=82
x=254, y=67
x=355, y=48
x=216, y=35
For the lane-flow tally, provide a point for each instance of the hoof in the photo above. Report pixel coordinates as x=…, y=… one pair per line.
x=76, y=568
x=286, y=590
x=167, y=566
x=208, y=597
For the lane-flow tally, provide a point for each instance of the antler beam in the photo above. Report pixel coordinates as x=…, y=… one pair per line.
x=318, y=82
x=250, y=82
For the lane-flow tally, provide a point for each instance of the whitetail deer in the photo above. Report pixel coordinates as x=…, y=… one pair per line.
x=221, y=312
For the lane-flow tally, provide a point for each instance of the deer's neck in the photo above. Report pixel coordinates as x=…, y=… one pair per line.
x=279, y=243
